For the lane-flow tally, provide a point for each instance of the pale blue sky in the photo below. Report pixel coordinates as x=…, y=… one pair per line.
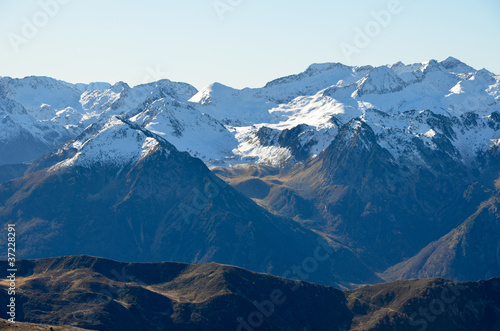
x=255, y=42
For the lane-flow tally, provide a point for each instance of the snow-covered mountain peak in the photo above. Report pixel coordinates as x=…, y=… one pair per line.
x=119, y=87
x=233, y=107
x=121, y=99
x=431, y=66
x=321, y=75
x=454, y=65
x=116, y=144
x=176, y=90
x=397, y=65
x=380, y=80
x=484, y=76
x=213, y=92
x=318, y=68
x=325, y=96
x=291, y=118
x=34, y=82
x=188, y=129
x=92, y=86
x=34, y=92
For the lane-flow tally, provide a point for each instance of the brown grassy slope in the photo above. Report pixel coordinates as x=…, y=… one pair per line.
x=100, y=294
x=19, y=326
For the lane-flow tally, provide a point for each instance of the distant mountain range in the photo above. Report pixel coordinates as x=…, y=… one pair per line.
x=288, y=120
x=96, y=294
x=339, y=175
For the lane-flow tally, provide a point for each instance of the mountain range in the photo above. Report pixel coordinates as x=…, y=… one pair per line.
x=97, y=294
x=339, y=175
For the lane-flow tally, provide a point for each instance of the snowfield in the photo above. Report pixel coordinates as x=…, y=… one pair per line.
x=286, y=121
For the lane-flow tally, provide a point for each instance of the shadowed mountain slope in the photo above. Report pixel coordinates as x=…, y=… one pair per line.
x=128, y=194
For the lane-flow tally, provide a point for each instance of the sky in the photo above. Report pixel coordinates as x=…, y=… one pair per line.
x=239, y=43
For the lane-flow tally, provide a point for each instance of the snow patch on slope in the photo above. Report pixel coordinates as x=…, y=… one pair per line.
x=188, y=129
x=117, y=144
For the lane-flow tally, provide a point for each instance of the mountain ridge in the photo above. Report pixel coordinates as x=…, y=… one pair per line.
x=449, y=88
x=149, y=202
x=100, y=294
x=377, y=161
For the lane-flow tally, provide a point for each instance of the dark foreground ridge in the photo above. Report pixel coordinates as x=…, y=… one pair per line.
x=99, y=294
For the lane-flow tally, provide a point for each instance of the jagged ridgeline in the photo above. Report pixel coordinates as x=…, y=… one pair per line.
x=391, y=172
